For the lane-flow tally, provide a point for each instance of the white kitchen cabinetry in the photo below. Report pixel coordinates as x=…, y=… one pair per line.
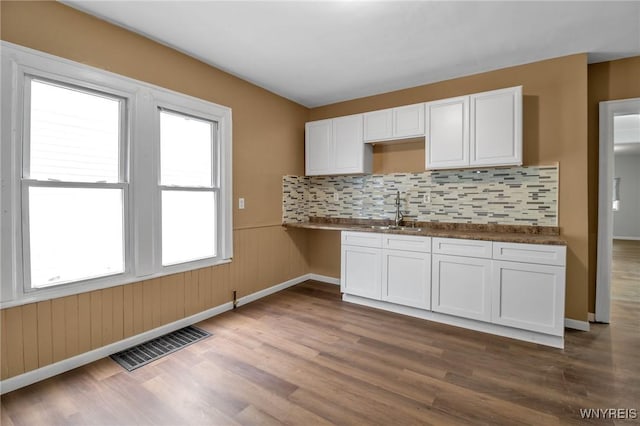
x=447, y=133
x=318, y=146
x=495, y=138
x=335, y=146
x=361, y=262
x=510, y=289
x=406, y=270
x=394, y=123
x=483, y=129
x=461, y=286
x=529, y=293
x=461, y=278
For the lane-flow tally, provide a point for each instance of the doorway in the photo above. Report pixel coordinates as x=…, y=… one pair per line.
x=618, y=132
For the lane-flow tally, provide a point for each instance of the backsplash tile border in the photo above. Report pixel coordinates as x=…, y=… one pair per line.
x=526, y=195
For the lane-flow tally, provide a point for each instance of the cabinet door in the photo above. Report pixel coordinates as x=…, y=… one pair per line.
x=318, y=147
x=406, y=278
x=461, y=286
x=408, y=121
x=348, y=152
x=378, y=125
x=447, y=133
x=496, y=127
x=361, y=271
x=529, y=296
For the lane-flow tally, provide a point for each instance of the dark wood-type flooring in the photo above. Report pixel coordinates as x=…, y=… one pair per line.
x=303, y=357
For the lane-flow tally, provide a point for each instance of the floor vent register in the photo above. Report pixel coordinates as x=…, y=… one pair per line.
x=152, y=350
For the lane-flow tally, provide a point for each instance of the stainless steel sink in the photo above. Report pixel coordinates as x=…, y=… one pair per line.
x=395, y=228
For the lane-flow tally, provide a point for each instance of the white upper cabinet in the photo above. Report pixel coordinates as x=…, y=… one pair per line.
x=496, y=127
x=483, y=129
x=408, y=121
x=378, y=125
x=447, y=133
x=318, y=146
x=335, y=146
x=394, y=123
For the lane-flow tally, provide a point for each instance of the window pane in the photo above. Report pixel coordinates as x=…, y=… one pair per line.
x=188, y=226
x=74, y=135
x=186, y=150
x=75, y=234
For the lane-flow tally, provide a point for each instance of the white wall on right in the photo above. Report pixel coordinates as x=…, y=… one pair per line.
x=626, y=221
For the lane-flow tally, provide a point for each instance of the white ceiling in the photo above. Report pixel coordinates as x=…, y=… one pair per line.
x=317, y=53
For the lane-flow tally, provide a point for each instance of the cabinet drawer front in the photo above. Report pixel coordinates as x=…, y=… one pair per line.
x=460, y=247
x=362, y=239
x=407, y=242
x=530, y=253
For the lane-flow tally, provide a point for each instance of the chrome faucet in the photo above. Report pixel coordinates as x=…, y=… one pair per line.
x=399, y=215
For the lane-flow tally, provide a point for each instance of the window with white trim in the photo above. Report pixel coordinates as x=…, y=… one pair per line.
x=188, y=187
x=73, y=184
x=106, y=180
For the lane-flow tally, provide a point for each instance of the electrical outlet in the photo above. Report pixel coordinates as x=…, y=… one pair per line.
x=336, y=196
x=427, y=198
x=241, y=203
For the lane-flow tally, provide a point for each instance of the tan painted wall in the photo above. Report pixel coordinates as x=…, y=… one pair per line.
x=268, y=135
x=608, y=81
x=555, y=131
x=324, y=252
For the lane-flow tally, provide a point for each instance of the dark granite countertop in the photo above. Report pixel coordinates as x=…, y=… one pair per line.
x=488, y=232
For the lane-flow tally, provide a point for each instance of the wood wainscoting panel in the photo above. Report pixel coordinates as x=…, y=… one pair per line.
x=45, y=344
x=12, y=320
x=58, y=329
x=38, y=334
x=84, y=322
x=30, y=336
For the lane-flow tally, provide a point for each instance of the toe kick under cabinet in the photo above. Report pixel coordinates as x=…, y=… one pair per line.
x=510, y=289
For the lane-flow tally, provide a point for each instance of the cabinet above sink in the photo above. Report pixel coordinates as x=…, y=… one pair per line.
x=472, y=131
x=394, y=124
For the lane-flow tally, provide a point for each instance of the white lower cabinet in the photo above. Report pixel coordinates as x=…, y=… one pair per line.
x=361, y=264
x=529, y=296
x=406, y=277
x=461, y=286
x=361, y=271
x=510, y=289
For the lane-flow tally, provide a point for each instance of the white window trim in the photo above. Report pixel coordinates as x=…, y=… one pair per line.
x=142, y=260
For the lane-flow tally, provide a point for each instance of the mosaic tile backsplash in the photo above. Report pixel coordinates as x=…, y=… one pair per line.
x=508, y=196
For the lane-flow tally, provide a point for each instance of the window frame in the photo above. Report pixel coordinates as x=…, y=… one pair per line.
x=170, y=105
x=140, y=171
x=28, y=182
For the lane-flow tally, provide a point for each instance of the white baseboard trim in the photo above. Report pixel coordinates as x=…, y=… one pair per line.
x=273, y=289
x=591, y=317
x=60, y=367
x=324, y=279
x=500, y=330
x=576, y=325
x=627, y=238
